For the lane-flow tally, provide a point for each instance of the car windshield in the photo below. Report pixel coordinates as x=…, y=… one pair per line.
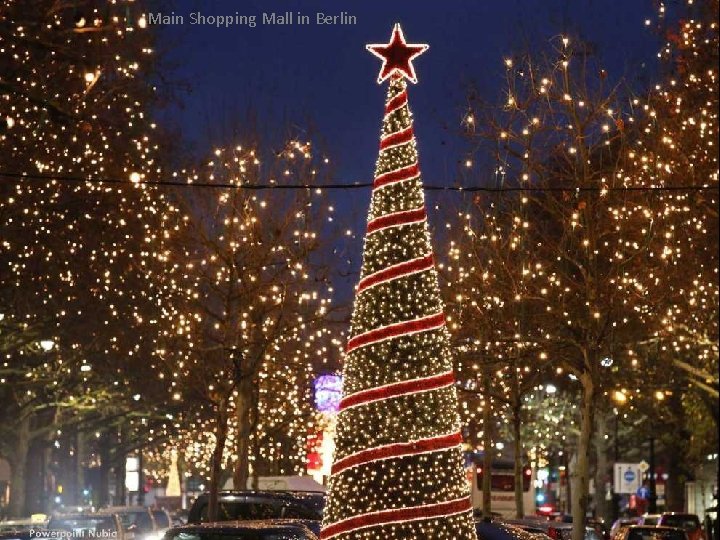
x=652, y=533
x=269, y=533
x=79, y=526
x=253, y=509
x=650, y=520
x=313, y=501
x=141, y=519
x=689, y=523
x=161, y=519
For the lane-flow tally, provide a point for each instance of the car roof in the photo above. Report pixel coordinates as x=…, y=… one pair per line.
x=76, y=515
x=655, y=528
x=123, y=509
x=266, y=492
x=242, y=524
x=545, y=523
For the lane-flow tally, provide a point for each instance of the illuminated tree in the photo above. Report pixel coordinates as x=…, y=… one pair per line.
x=398, y=469
x=254, y=292
x=494, y=321
x=80, y=258
x=677, y=147
x=561, y=136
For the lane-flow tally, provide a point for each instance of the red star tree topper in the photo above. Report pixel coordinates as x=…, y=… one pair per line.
x=398, y=469
x=397, y=55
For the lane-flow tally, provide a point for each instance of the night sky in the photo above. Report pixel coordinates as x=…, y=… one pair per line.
x=322, y=76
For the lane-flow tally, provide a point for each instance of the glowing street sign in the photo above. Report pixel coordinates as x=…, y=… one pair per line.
x=328, y=393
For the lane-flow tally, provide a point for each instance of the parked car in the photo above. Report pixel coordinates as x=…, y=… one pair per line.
x=89, y=526
x=36, y=521
x=17, y=535
x=179, y=517
x=274, y=529
x=600, y=526
x=497, y=530
x=162, y=522
x=651, y=532
x=649, y=519
x=557, y=530
x=254, y=505
x=621, y=524
x=690, y=523
x=18, y=525
x=162, y=519
x=136, y=521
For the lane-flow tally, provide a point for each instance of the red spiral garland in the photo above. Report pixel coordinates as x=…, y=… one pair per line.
x=422, y=446
x=398, y=329
x=404, y=173
x=404, y=217
x=403, y=388
x=399, y=137
x=396, y=271
x=385, y=517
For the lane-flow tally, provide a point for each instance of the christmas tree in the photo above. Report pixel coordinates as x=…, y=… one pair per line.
x=398, y=469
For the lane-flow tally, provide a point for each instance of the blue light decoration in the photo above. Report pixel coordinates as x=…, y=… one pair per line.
x=328, y=393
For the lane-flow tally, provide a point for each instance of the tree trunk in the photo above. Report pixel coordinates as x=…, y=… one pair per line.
x=103, y=495
x=46, y=493
x=79, y=473
x=16, y=506
x=120, y=494
x=581, y=474
x=519, y=473
x=243, y=411
x=221, y=432
x=602, y=470
x=119, y=461
x=676, y=455
x=568, y=487
x=33, y=478
x=675, y=483
x=487, y=449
